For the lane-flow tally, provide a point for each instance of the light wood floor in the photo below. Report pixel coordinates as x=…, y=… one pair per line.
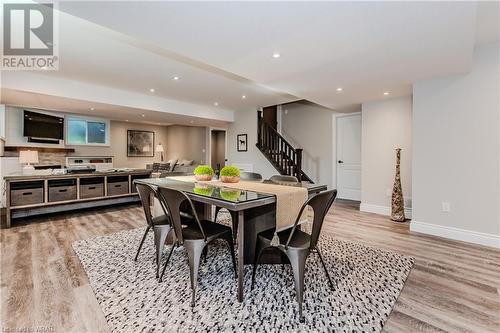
x=453, y=286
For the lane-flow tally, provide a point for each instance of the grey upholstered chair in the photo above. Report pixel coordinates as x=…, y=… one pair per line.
x=161, y=224
x=283, y=179
x=250, y=176
x=194, y=237
x=297, y=244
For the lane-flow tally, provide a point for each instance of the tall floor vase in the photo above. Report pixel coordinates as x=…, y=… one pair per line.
x=397, y=208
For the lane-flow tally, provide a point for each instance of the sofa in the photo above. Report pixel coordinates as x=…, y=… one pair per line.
x=172, y=167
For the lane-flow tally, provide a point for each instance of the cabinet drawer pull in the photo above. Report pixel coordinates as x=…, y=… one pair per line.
x=118, y=185
x=61, y=191
x=92, y=188
x=28, y=193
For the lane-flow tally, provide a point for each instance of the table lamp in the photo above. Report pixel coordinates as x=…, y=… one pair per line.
x=159, y=149
x=27, y=157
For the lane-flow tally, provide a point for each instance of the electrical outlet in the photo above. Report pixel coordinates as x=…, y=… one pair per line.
x=446, y=207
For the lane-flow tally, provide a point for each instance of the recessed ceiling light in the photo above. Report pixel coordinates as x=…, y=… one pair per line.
x=152, y=90
x=126, y=119
x=339, y=89
x=191, y=121
x=386, y=93
x=143, y=115
x=216, y=104
x=92, y=109
x=276, y=55
x=176, y=78
x=244, y=96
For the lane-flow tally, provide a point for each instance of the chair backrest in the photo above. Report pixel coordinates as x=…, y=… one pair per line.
x=250, y=176
x=320, y=203
x=284, y=178
x=145, y=194
x=173, y=200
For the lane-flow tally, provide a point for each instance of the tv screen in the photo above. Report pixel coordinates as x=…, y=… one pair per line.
x=39, y=125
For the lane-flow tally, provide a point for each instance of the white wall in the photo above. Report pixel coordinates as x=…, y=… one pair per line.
x=245, y=122
x=386, y=125
x=309, y=126
x=456, y=152
x=2, y=121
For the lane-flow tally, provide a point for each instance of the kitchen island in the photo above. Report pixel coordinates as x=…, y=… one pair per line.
x=32, y=195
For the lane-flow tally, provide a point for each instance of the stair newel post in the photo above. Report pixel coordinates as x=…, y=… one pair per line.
x=298, y=171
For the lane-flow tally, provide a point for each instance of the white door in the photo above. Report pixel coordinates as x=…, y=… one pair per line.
x=349, y=157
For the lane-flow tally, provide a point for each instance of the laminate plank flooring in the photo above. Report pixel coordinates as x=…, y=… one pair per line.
x=454, y=286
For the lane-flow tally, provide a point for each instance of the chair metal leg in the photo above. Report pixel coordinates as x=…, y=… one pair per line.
x=142, y=242
x=217, y=210
x=166, y=261
x=204, y=254
x=298, y=261
x=229, y=240
x=161, y=233
x=258, y=252
x=194, y=250
x=324, y=267
x=234, y=221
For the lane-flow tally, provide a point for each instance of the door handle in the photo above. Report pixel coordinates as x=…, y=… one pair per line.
x=340, y=161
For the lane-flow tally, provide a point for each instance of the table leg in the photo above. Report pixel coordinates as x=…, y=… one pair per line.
x=241, y=253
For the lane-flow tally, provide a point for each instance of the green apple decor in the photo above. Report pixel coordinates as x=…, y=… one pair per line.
x=203, y=189
x=230, y=194
x=203, y=173
x=230, y=174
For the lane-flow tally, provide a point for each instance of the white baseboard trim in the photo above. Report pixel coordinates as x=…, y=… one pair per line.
x=456, y=234
x=382, y=210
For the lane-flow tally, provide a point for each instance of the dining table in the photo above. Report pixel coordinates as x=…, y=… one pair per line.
x=252, y=211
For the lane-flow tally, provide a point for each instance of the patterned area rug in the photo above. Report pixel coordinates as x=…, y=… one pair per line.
x=367, y=283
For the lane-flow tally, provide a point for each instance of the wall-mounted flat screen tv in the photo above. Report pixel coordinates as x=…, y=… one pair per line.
x=39, y=125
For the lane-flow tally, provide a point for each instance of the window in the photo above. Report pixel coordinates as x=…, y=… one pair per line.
x=83, y=131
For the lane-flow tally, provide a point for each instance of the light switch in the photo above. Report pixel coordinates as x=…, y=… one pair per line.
x=446, y=207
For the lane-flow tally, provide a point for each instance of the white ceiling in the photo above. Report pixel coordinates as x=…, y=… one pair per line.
x=223, y=50
x=101, y=110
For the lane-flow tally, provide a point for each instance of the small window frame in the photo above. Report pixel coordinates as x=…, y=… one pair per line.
x=87, y=120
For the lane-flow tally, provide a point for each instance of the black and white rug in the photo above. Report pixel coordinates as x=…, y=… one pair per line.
x=367, y=284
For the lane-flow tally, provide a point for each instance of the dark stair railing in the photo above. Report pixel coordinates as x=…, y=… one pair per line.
x=282, y=155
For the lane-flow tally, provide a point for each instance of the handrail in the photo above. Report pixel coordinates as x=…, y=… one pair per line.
x=286, y=158
x=276, y=132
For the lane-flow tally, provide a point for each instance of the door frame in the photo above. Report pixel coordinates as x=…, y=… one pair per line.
x=209, y=150
x=335, y=171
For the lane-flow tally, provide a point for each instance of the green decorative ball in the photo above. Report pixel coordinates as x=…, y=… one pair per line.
x=230, y=171
x=204, y=170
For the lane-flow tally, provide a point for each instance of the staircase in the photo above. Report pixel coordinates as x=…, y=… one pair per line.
x=285, y=158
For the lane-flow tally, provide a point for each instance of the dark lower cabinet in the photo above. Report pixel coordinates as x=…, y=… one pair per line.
x=62, y=190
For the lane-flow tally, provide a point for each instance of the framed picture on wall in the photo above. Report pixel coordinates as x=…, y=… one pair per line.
x=242, y=144
x=140, y=143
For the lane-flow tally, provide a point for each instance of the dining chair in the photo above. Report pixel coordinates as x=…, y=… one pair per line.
x=283, y=178
x=250, y=176
x=297, y=244
x=246, y=176
x=194, y=237
x=161, y=224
